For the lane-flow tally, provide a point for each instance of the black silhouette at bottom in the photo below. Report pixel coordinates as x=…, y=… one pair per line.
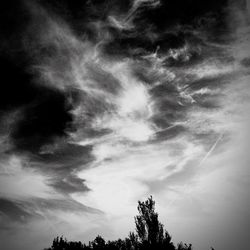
x=150, y=235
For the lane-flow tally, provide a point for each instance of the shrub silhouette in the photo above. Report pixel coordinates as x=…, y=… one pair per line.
x=150, y=235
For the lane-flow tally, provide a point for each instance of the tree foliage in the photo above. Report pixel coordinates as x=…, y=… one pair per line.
x=149, y=230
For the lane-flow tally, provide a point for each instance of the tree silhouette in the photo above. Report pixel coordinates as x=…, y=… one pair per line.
x=149, y=235
x=182, y=246
x=98, y=243
x=150, y=231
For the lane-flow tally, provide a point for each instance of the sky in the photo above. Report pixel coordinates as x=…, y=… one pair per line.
x=104, y=103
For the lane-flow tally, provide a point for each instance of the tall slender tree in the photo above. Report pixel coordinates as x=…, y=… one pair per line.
x=150, y=231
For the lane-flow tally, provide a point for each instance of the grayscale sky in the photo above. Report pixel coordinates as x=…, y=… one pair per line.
x=105, y=104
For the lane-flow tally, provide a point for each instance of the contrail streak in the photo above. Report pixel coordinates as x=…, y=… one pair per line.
x=211, y=150
x=201, y=162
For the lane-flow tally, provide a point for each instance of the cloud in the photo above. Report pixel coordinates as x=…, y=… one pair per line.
x=94, y=121
x=15, y=212
x=16, y=180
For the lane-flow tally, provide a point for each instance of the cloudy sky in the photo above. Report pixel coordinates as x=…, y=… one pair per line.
x=103, y=103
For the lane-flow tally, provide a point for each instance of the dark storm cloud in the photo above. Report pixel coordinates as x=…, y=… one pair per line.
x=14, y=18
x=66, y=154
x=61, y=161
x=69, y=184
x=43, y=112
x=246, y=62
x=15, y=211
x=46, y=117
x=16, y=87
x=36, y=118
x=177, y=10
x=184, y=12
x=142, y=35
x=136, y=43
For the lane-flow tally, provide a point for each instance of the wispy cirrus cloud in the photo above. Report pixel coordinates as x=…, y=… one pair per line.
x=109, y=116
